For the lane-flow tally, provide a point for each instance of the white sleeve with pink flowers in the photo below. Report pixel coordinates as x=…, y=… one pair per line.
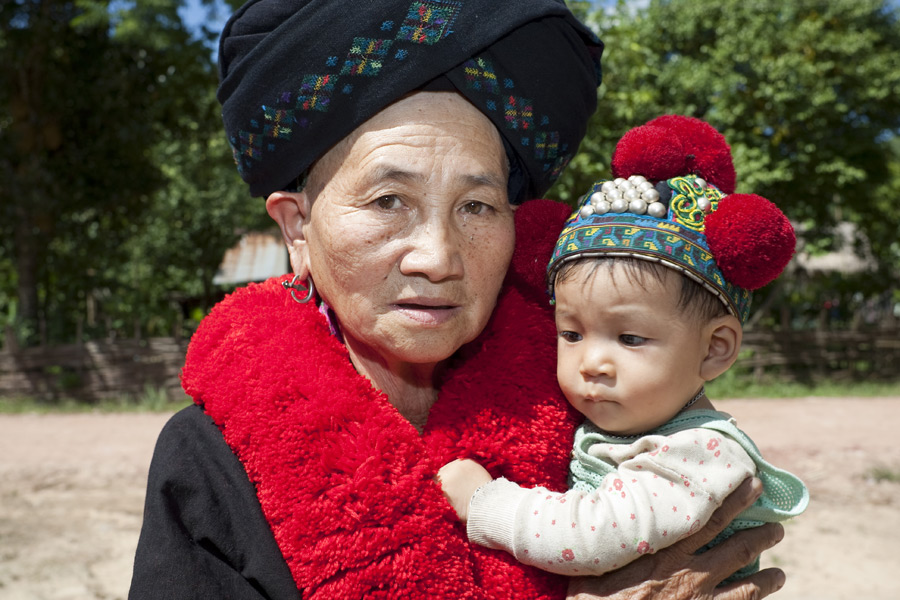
x=664, y=488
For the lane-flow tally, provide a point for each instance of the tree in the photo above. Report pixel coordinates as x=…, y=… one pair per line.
x=77, y=105
x=807, y=93
x=200, y=212
x=111, y=150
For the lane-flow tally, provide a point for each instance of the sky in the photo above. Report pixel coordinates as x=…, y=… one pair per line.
x=195, y=14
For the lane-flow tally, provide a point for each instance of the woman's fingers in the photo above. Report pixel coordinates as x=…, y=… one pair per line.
x=758, y=585
x=678, y=573
x=739, y=550
x=741, y=498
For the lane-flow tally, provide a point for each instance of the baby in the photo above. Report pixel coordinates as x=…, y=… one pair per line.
x=651, y=278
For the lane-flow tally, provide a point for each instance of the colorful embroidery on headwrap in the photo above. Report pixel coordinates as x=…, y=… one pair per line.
x=275, y=122
x=426, y=22
x=480, y=76
x=429, y=22
x=370, y=63
x=315, y=92
x=546, y=145
x=559, y=166
x=519, y=113
x=366, y=56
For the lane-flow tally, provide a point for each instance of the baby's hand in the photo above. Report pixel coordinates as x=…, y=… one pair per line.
x=459, y=480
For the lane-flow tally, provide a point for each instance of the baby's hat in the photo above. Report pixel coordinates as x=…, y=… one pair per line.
x=672, y=202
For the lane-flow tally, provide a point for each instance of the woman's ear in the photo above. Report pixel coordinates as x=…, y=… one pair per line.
x=291, y=210
x=725, y=336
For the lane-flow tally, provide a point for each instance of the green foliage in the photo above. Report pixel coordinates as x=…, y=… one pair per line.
x=806, y=92
x=737, y=383
x=72, y=149
x=119, y=195
x=151, y=399
x=200, y=213
x=881, y=474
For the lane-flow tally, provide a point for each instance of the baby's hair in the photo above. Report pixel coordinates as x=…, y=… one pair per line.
x=693, y=298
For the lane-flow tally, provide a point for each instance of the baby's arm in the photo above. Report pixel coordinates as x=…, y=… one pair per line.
x=663, y=489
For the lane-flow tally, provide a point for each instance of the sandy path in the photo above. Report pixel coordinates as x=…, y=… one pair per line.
x=72, y=486
x=847, y=545
x=71, y=500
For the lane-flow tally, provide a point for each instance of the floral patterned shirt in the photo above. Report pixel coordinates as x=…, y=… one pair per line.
x=630, y=497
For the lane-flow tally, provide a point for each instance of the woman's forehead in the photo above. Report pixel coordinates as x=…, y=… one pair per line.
x=419, y=117
x=420, y=133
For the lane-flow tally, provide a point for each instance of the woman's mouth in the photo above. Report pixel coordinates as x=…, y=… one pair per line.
x=428, y=312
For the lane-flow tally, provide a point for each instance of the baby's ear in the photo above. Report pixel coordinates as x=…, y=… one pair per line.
x=725, y=335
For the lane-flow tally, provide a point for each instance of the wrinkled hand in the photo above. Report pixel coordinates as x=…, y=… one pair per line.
x=459, y=480
x=676, y=573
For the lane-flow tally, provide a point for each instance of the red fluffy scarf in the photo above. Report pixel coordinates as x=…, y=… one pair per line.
x=345, y=482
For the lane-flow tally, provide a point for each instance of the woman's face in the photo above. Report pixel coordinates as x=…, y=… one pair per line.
x=409, y=232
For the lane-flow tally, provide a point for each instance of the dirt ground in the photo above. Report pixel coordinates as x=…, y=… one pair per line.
x=72, y=487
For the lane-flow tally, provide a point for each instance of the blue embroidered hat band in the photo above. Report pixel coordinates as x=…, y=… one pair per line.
x=633, y=219
x=297, y=76
x=672, y=202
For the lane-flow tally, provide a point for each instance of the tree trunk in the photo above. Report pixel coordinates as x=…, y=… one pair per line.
x=26, y=268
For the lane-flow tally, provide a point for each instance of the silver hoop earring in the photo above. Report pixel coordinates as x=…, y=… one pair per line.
x=309, y=289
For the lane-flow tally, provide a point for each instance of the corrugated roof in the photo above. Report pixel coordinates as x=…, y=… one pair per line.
x=842, y=260
x=256, y=257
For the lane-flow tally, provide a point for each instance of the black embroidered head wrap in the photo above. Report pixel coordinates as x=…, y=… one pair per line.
x=297, y=76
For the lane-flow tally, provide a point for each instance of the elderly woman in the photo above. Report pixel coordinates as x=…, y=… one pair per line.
x=414, y=329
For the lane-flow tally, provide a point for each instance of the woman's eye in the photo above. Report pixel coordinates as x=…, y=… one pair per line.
x=388, y=202
x=570, y=336
x=475, y=208
x=632, y=340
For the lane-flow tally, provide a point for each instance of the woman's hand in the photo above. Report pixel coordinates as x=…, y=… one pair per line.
x=676, y=573
x=459, y=480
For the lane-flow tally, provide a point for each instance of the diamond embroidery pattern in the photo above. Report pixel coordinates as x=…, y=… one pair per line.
x=546, y=145
x=559, y=165
x=428, y=21
x=480, y=75
x=250, y=145
x=315, y=92
x=277, y=121
x=366, y=56
x=519, y=113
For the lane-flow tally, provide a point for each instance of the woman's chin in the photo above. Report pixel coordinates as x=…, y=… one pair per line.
x=427, y=352
x=432, y=335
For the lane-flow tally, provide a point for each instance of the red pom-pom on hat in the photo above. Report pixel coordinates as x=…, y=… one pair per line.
x=649, y=151
x=707, y=153
x=751, y=240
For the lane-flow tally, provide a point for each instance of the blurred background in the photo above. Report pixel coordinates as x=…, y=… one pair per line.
x=123, y=220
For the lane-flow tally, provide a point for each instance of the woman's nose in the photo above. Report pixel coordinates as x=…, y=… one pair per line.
x=434, y=251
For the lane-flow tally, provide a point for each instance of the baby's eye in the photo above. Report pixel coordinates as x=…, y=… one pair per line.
x=630, y=339
x=389, y=202
x=570, y=336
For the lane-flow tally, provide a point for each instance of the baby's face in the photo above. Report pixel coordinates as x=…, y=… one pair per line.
x=628, y=358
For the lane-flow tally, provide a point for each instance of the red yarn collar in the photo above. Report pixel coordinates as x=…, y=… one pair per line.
x=344, y=481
